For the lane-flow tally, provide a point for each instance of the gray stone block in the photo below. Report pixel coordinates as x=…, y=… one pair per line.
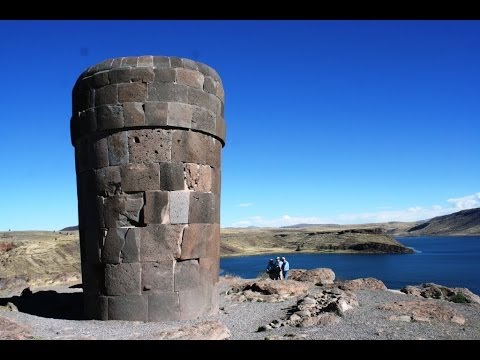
x=107, y=95
x=108, y=181
x=91, y=242
x=92, y=278
x=104, y=65
x=132, y=92
x=156, y=113
x=119, y=75
x=189, y=146
x=95, y=307
x=145, y=61
x=161, y=62
x=176, y=62
x=133, y=114
x=142, y=74
x=159, y=91
x=117, y=148
x=179, y=206
x=156, y=209
x=129, y=307
x=92, y=207
x=187, y=275
x=220, y=128
x=207, y=71
x=198, y=177
x=99, y=153
x=163, y=306
x=131, y=250
x=109, y=117
x=159, y=242
x=202, y=208
x=214, y=152
x=157, y=277
x=123, y=210
x=203, y=120
x=100, y=79
x=90, y=121
x=200, y=241
x=210, y=85
x=140, y=177
x=146, y=145
x=82, y=156
x=189, y=64
x=179, y=115
x=129, y=61
x=114, y=243
x=172, y=176
x=123, y=279
x=216, y=181
x=190, y=78
x=210, y=266
x=164, y=75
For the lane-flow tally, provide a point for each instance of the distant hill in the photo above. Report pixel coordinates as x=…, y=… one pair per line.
x=465, y=222
x=70, y=228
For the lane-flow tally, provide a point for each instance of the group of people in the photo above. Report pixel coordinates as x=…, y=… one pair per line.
x=278, y=269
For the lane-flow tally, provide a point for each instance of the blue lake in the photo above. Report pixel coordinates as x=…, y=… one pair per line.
x=452, y=261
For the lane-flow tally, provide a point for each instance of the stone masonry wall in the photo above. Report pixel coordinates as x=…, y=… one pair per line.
x=148, y=133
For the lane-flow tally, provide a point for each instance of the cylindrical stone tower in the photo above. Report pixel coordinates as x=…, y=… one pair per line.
x=148, y=133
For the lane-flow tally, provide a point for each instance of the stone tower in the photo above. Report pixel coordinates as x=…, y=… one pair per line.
x=148, y=133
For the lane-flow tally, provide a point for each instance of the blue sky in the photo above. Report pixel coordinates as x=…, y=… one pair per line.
x=327, y=121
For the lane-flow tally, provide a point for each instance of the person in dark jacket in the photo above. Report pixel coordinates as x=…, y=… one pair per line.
x=271, y=269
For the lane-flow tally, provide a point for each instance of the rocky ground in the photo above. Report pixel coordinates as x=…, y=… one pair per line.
x=313, y=307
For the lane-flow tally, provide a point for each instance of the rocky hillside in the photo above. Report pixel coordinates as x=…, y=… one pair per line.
x=252, y=241
x=465, y=222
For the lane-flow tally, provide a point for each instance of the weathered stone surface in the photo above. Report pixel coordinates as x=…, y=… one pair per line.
x=128, y=307
x=99, y=153
x=209, y=85
x=189, y=146
x=213, y=157
x=202, y=208
x=267, y=290
x=93, y=278
x=179, y=202
x=100, y=79
x=109, y=117
x=146, y=146
x=190, y=78
x=156, y=209
x=363, y=284
x=203, y=119
x=156, y=113
x=114, y=243
x=435, y=291
x=208, y=330
x=189, y=64
x=82, y=156
x=205, y=100
x=161, y=62
x=423, y=310
x=119, y=75
x=123, y=279
x=210, y=267
x=200, y=241
x=216, y=181
x=129, y=61
x=132, y=92
x=108, y=181
x=146, y=60
x=164, y=75
x=171, y=176
x=131, y=249
x=92, y=213
x=319, y=276
x=176, y=62
x=106, y=95
x=161, y=91
x=198, y=177
x=140, y=177
x=187, y=275
x=163, y=306
x=117, y=148
x=133, y=114
x=159, y=242
x=95, y=306
x=11, y=330
x=157, y=277
x=220, y=126
x=123, y=210
x=142, y=74
x=179, y=115
x=198, y=301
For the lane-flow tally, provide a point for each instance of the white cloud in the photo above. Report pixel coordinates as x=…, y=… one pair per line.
x=413, y=213
x=245, y=204
x=466, y=202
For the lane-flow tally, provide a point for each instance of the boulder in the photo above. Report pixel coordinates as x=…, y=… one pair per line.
x=208, y=330
x=422, y=310
x=319, y=276
x=435, y=291
x=267, y=290
x=363, y=284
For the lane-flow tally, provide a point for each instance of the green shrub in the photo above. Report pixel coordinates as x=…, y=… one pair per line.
x=459, y=298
